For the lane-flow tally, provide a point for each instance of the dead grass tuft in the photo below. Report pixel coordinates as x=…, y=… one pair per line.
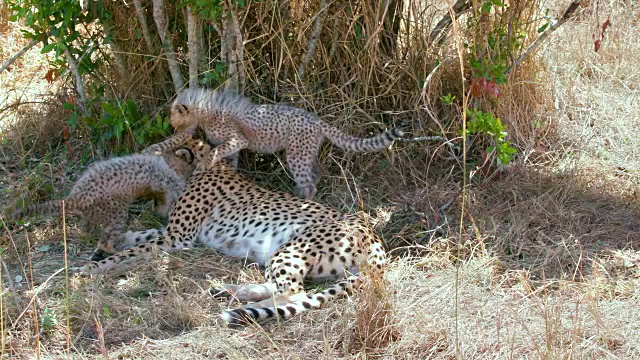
x=549, y=250
x=375, y=325
x=35, y=130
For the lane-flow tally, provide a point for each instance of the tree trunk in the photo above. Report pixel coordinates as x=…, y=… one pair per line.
x=194, y=42
x=167, y=44
x=233, y=50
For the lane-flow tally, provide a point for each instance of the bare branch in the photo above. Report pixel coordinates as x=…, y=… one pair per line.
x=117, y=56
x=20, y=53
x=194, y=42
x=424, y=138
x=553, y=27
x=143, y=24
x=284, y=9
x=313, y=38
x=167, y=44
x=73, y=67
x=459, y=8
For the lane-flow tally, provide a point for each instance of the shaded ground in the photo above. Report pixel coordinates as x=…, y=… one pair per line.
x=550, y=253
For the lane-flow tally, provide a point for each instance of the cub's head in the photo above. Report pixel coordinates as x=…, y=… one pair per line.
x=180, y=117
x=185, y=158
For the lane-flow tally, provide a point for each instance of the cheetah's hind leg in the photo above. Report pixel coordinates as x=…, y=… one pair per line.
x=287, y=305
x=245, y=293
x=164, y=242
x=135, y=238
x=127, y=240
x=113, y=215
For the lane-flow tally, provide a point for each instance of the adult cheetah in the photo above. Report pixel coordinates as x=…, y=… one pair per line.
x=235, y=123
x=104, y=192
x=294, y=238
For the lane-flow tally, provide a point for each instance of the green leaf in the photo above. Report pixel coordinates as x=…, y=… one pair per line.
x=43, y=248
x=48, y=48
x=486, y=7
x=73, y=120
x=543, y=28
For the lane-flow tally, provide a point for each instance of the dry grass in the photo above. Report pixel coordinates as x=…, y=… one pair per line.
x=549, y=254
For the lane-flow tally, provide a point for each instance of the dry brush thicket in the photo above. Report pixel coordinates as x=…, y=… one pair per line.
x=546, y=263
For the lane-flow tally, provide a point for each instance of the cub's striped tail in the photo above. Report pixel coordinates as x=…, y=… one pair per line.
x=299, y=303
x=348, y=142
x=44, y=208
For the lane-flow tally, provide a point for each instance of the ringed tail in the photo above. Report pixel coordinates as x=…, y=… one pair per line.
x=47, y=207
x=312, y=301
x=375, y=143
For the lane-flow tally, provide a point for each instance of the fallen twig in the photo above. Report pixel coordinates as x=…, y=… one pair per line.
x=37, y=291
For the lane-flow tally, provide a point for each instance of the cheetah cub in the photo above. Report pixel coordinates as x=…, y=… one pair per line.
x=234, y=122
x=104, y=192
x=296, y=239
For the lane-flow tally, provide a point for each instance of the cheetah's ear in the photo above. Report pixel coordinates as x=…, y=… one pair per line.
x=185, y=154
x=181, y=109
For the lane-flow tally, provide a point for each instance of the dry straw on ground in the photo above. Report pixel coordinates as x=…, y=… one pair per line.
x=549, y=255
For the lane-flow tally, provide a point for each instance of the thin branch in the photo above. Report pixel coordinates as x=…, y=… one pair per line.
x=284, y=10
x=73, y=67
x=118, y=56
x=313, y=38
x=553, y=27
x=167, y=44
x=20, y=53
x=143, y=24
x=424, y=138
x=459, y=8
x=194, y=41
x=7, y=274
